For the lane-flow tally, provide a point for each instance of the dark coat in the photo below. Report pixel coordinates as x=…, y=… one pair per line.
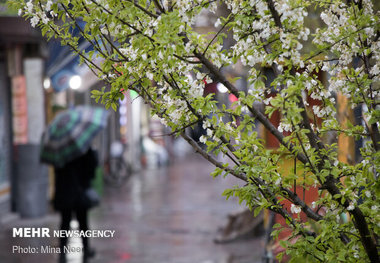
x=73, y=179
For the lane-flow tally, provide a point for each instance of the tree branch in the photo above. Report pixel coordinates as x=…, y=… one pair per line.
x=257, y=113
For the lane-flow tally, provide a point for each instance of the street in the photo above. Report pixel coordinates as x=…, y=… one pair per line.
x=165, y=215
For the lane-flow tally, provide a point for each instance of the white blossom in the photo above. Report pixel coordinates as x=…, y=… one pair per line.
x=375, y=70
x=149, y=75
x=295, y=209
x=48, y=5
x=278, y=181
x=284, y=127
x=267, y=100
x=218, y=22
x=45, y=19
x=351, y=207
x=104, y=30
x=203, y=139
x=29, y=6
x=34, y=21
x=206, y=124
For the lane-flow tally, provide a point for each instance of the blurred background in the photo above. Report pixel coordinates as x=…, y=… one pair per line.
x=156, y=193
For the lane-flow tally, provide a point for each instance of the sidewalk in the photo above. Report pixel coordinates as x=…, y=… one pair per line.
x=167, y=215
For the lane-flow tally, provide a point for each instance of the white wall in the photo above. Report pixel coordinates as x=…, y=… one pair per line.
x=33, y=69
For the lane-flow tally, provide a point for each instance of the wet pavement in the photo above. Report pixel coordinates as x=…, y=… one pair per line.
x=164, y=215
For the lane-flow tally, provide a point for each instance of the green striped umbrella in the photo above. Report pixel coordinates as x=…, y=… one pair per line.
x=71, y=133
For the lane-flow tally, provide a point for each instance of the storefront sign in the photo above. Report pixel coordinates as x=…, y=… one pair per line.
x=19, y=110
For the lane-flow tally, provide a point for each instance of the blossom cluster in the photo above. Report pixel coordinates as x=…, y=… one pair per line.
x=37, y=14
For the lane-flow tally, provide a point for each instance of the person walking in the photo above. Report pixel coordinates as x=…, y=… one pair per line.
x=66, y=144
x=72, y=182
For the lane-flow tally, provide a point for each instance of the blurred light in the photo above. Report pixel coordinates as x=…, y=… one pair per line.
x=123, y=120
x=116, y=149
x=232, y=98
x=123, y=109
x=123, y=101
x=221, y=88
x=47, y=83
x=75, y=82
x=133, y=94
x=123, y=130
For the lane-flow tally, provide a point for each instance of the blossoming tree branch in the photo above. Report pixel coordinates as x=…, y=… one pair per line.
x=153, y=48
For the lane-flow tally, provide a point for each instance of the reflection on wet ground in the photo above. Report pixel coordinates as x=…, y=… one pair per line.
x=163, y=215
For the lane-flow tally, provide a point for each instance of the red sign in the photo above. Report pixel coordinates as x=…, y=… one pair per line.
x=19, y=110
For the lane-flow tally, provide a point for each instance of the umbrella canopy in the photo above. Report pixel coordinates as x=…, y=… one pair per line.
x=71, y=133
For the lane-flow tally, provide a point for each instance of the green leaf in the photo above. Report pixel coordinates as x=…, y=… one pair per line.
x=257, y=210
